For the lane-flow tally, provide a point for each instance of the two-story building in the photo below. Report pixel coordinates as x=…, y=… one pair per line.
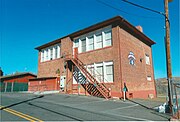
x=99, y=60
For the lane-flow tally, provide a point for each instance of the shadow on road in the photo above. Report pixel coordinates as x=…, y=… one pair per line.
x=74, y=118
x=14, y=104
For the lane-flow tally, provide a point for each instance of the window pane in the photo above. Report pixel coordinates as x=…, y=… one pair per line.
x=99, y=73
x=51, y=53
x=149, y=78
x=91, y=70
x=147, y=59
x=83, y=41
x=107, y=35
x=56, y=52
x=109, y=69
x=107, y=43
x=108, y=38
x=109, y=73
x=46, y=54
x=99, y=41
x=42, y=56
x=91, y=43
x=76, y=43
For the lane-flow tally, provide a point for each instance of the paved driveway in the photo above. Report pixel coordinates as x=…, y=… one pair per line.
x=61, y=107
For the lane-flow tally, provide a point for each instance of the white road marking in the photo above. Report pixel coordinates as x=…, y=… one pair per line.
x=90, y=102
x=130, y=117
x=122, y=107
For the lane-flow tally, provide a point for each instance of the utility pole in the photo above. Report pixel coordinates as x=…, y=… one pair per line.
x=168, y=56
x=167, y=46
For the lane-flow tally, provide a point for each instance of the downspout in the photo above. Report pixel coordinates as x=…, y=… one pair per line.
x=120, y=68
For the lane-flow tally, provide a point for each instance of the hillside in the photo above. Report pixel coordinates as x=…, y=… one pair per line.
x=162, y=84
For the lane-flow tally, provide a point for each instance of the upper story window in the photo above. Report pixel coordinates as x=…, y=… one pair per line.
x=147, y=59
x=90, y=43
x=107, y=40
x=46, y=54
x=83, y=45
x=42, y=55
x=50, y=53
x=56, y=52
x=99, y=41
x=94, y=40
x=76, y=43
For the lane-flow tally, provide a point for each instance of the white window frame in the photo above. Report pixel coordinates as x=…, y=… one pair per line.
x=94, y=34
x=47, y=55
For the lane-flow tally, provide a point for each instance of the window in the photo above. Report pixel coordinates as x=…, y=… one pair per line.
x=42, y=55
x=90, y=43
x=147, y=59
x=149, y=78
x=109, y=71
x=51, y=53
x=107, y=40
x=131, y=58
x=46, y=54
x=94, y=40
x=56, y=52
x=99, y=72
x=83, y=43
x=76, y=43
x=99, y=41
x=90, y=69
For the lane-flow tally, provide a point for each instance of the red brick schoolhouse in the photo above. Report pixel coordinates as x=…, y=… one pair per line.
x=98, y=61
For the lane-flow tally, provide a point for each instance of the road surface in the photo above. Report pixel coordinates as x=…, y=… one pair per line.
x=62, y=107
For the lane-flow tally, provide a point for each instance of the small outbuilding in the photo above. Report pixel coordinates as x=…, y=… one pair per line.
x=15, y=82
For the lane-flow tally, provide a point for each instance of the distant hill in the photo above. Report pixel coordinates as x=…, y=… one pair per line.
x=162, y=85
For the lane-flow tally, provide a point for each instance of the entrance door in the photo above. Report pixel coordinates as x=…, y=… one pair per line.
x=62, y=83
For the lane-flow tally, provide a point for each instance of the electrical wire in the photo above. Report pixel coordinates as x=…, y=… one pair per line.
x=123, y=11
x=161, y=13
x=143, y=7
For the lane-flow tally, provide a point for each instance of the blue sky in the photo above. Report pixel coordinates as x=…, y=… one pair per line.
x=26, y=24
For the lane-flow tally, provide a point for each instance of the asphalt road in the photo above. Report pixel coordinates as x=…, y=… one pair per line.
x=61, y=107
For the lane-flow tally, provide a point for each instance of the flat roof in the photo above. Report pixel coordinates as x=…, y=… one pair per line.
x=42, y=78
x=17, y=75
x=117, y=19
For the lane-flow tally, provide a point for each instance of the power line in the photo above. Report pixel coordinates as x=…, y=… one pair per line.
x=161, y=13
x=122, y=10
x=143, y=7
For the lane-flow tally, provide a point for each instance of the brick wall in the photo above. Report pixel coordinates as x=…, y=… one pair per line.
x=123, y=42
x=135, y=76
x=43, y=85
